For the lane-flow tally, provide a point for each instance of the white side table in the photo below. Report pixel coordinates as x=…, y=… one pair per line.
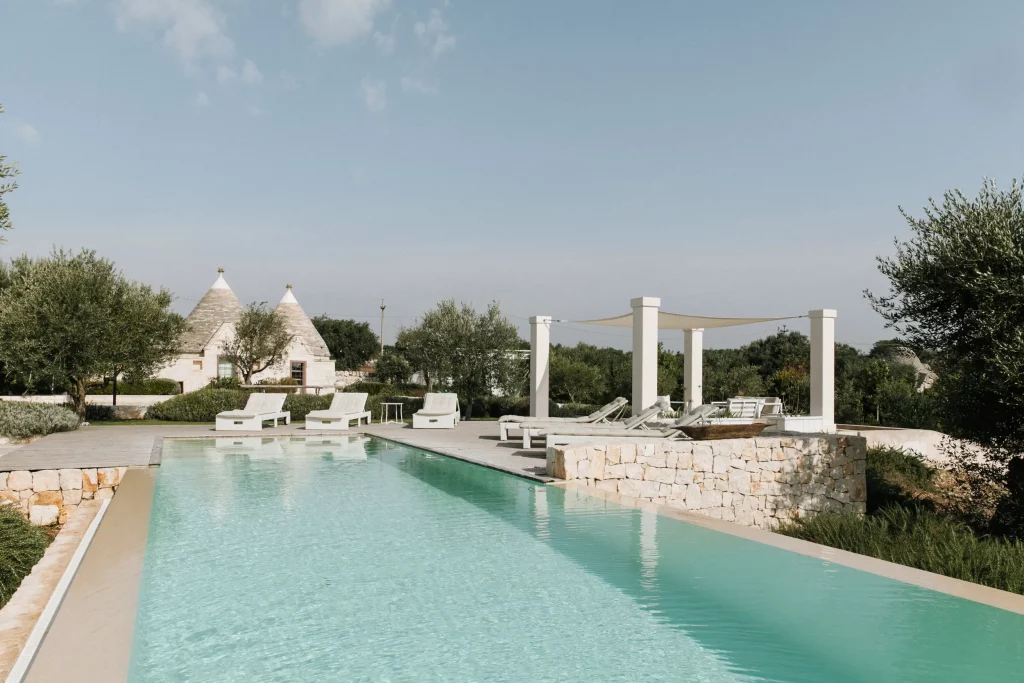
x=385, y=413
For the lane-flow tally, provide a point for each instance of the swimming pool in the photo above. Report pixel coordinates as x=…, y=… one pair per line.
x=356, y=559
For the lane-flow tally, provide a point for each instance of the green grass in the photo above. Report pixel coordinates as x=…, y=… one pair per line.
x=21, y=547
x=906, y=524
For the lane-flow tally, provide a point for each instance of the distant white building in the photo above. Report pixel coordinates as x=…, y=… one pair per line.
x=212, y=324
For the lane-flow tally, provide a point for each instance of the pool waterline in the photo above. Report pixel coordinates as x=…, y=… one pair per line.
x=640, y=543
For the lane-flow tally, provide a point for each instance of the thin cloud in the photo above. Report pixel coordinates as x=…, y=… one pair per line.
x=254, y=111
x=192, y=28
x=28, y=133
x=202, y=100
x=225, y=74
x=375, y=95
x=334, y=22
x=418, y=85
x=435, y=33
x=250, y=73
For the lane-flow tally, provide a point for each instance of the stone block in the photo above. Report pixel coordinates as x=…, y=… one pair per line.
x=703, y=459
x=70, y=479
x=72, y=496
x=677, y=492
x=89, y=480
x=685, y=461
x=614, y=454
x=684, y=477
x=608, y=485
x=65, y=513
x=737, y=463
x=664, y=475
x=646, y=450
x=711, y=499
x=858, y=489
x=693, y=497
x=721, y=464
x=629, y=453
x=25, y=494
x=614, y=471
x=656, y=460
x=121, y=471
x=107, y=476
x=43, y=515
x=634, y=470
x=19, y=480
x=726, y=499
x=650, y=489
x=582, y=470
x=88, y=495
x=714, y=513
x=671, y=460
x=46, y=498
x=597, y=466
x=103, y=494
x=9, y=497
x=45, y=480
x=739, y=481
x=629, y=487
x=3, y=481
x=665, y=490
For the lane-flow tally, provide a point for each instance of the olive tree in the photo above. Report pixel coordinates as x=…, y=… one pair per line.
x=957, y=289
x=474, y=354
x=260, y=341
x=7, y=171
x=351, y=343
x=75, y=317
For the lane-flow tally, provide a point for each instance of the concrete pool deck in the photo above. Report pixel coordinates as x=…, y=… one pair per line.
x=98, y=612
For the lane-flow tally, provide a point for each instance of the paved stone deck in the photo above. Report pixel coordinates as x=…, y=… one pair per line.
x=138, y=445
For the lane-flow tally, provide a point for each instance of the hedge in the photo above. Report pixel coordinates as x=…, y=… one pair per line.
x=20, y=419
x=21, y=547
x=198, y=406
x=204, y=404
x=146, y=387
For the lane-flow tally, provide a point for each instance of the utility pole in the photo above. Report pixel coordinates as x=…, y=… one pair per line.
x=382, y=307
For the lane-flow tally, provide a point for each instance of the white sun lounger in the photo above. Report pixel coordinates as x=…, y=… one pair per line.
x=601, y=415
x=439, y=411
x=345, y=407
x=637, y=422
x=558, y=436
x=258, y=409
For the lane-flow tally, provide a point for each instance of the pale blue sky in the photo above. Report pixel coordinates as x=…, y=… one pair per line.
x=737, y=158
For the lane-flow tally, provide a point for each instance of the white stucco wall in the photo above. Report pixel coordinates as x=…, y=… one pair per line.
x=319, y=371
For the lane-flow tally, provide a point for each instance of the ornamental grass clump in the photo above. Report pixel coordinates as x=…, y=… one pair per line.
x=21, y=547
x=19, y=420
x=919, y=538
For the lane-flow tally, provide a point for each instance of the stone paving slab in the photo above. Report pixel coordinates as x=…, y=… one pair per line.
x=476, y=442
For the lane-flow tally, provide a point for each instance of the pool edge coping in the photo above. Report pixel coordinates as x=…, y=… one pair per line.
x=939, y=583
x=107, y=587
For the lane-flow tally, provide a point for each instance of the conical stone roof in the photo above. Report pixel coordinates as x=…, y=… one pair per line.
x=299, y=324
x=218, y=306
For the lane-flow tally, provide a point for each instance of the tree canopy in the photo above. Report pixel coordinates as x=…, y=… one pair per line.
x=957, y=289
x=474, y=354
x=8, y=170
x=69, y=318
x=260, y=341
x=351, y=343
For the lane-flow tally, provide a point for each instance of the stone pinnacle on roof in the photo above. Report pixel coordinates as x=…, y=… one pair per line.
x=218, y=306
x=299, y=324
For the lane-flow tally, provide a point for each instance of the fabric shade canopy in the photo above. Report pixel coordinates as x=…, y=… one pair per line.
x=677, y=321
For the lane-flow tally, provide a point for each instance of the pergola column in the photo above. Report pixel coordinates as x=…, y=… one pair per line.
x=645, y=351
x=540, y=361
x=823, y=366
x=693, y=368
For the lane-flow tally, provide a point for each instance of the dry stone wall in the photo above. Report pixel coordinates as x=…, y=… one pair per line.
x=51, y=496
x=757, y=482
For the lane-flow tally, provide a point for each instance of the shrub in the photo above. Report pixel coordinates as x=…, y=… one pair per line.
x=224, y=383
x=410, y=404
x=20, y=419
x=898, y=477
x=393, y=368
x=198, y=406
x=300, y=404
x=918, y=538
x=285, y=381
x=372, y=388
x=147, y=387
x=21, y=547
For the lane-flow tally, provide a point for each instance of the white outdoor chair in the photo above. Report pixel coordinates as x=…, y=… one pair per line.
x=345, y=407
x=440, y=411
x=258, y=409
x=636, y=423
x=601, y=415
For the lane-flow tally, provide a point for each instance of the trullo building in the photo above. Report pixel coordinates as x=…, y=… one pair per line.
x=212, y=324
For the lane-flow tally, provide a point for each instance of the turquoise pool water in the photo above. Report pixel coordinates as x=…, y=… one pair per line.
x=354, y=559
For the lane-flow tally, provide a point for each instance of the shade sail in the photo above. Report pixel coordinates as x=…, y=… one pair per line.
x=678, y=321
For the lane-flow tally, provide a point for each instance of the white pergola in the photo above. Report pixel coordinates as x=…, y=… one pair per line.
x=646, y=319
